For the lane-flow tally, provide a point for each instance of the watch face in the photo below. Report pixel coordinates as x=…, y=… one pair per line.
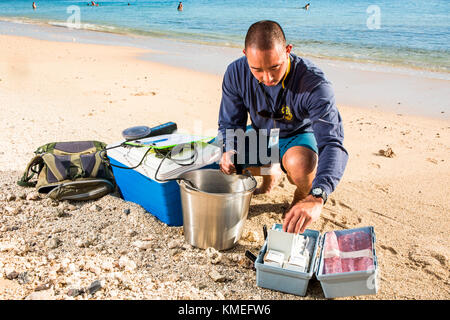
x=317, y=191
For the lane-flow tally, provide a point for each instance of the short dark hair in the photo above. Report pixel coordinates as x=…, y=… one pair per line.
x=263, y=35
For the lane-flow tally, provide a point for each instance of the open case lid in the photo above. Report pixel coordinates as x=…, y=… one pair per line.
x=279, y=238
x=279, y=241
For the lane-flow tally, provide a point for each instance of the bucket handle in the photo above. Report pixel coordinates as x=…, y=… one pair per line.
x=189, y=185
x=248, y=174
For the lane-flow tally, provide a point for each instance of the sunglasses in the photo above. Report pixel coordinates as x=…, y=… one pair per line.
x=270, y=115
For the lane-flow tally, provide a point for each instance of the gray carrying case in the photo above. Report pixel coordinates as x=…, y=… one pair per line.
x=333, y=285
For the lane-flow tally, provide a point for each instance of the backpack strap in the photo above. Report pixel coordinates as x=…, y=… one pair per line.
x=35, y=166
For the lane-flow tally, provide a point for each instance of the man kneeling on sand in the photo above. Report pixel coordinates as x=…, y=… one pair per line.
x=289, y=97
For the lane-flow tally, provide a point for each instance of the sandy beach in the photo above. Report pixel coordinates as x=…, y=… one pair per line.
x=65, y=91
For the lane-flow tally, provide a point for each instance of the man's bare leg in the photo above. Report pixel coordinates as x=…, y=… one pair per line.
x=301, y=165
x=271, y=175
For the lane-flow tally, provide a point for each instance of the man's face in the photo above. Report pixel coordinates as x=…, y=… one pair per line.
x=268, y=66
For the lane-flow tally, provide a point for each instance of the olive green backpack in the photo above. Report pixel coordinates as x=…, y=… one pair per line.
x=70, y=171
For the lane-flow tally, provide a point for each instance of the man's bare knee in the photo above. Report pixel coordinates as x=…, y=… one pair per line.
x=299, y=162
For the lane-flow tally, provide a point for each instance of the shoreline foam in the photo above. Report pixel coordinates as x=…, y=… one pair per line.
x=432, y=71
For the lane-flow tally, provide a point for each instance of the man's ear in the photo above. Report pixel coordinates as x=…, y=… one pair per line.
x=243, y=51
x=288, y=48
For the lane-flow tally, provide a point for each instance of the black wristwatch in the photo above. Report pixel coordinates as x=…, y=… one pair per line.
x=319, y=193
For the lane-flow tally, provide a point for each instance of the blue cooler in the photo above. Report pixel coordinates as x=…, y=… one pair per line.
x=161, y=199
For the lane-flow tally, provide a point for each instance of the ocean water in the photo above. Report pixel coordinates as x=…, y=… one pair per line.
x=407, y=33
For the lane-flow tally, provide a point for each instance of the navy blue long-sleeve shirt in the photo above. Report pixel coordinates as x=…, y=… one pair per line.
x=310, y=99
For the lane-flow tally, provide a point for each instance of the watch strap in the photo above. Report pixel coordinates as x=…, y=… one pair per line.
x=322, y=195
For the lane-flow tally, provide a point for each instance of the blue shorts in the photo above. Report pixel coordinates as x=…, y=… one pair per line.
x=305, y=139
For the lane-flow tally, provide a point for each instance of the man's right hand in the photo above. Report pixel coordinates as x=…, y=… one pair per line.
x=226, y=163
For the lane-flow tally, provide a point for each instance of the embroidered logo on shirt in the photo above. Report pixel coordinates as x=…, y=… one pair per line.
x=287, y=113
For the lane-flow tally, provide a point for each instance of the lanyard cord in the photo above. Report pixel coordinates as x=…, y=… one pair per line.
x=278, y=103
x=281, y=95
x=106, y=160
x=168, y=155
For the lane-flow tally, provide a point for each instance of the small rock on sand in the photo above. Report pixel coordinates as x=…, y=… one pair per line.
x=23, y=278
x=94, y=287
x=12, y=275
x=388, y=153
x=201, y=286
x=216, y=276
x=143, y=245
x=42, y=287
x=74, y=292
x=33, y=196
x=127, y=264
x=13, y=211
x=41, y=295
x=95, y=208
x=53, y=243
x=174, y=244
x=251, y=236
x=213, y=255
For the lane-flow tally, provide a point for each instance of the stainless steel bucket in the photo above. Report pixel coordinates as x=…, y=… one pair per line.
x=215, y=207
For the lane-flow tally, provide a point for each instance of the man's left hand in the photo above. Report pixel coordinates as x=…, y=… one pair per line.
x=302, y=214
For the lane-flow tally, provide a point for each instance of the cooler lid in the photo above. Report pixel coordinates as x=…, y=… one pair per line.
x=168, y=140
x=130, y=156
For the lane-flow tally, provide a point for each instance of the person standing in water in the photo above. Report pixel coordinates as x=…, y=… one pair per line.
x=180, y=6
x=34, y=6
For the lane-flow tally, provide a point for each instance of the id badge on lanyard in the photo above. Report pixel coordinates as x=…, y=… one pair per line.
x=274, y=136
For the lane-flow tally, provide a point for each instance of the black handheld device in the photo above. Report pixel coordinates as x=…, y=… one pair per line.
x=239, y=167
x=141, y=132
x=265, y=231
